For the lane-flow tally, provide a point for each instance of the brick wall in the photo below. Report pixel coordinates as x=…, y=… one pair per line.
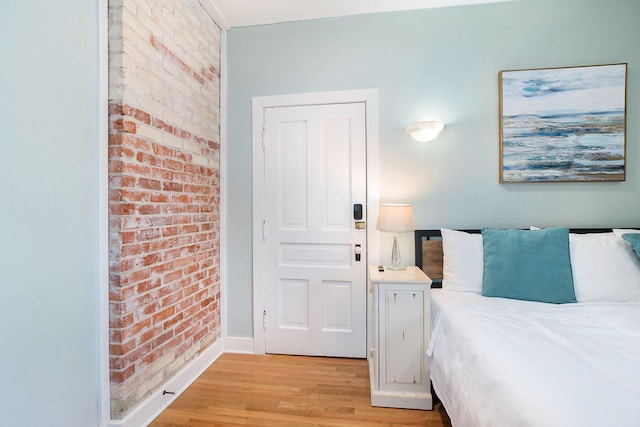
x=164, y=187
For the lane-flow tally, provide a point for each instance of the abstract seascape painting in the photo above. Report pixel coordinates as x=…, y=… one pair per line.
x=563, y=124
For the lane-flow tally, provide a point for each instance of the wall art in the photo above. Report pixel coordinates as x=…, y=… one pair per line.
x=563, y=124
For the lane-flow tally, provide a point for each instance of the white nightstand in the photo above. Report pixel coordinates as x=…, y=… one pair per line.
x=398, y=363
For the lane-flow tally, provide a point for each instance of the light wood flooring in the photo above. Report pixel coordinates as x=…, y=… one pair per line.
x=283, y=391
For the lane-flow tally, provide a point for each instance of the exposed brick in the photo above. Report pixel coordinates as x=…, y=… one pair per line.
x=172, y=164
x=151, y=184
x=136, y=113
x=134, y=250
x=124, y=125
x=172, y=186
x=115, y=109
x=172, y=276
x=120, y=376
x=165, y=151
x=133, y=195
x=163, y=193
x=136, y=276
x=181, y=198
x=149, y=334
x=161, y=339
x=172, y=321
x=122, y=349
x=162, y=315
x=115, y=139
x=151, y=357
x=198, y=77
x=149, y=209
x=159, y=197
x=160, y=124
x=148, y=285
x=148, y=234
x=148, y=159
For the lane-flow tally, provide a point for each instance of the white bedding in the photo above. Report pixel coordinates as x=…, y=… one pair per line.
x=498, y=362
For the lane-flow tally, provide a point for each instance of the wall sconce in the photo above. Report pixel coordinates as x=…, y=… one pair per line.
x=424, y=131
x=396, y=219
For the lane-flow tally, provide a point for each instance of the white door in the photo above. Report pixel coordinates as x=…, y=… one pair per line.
x=315, y=283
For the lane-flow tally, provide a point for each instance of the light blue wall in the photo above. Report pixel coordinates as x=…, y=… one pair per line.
x=48, y=213
x=442, y=63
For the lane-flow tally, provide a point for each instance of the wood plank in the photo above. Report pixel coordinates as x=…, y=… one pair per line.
x=432, y=258
x=279, y=390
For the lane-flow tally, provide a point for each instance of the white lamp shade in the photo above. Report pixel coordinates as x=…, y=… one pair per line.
x=395, y=218
x=424, y=131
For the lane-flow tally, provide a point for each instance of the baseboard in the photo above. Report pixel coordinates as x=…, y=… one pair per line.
x=238, y=345
x=151, y=407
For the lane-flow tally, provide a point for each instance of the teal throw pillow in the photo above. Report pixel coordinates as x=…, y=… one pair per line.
x=532, y=265
x=634, y=239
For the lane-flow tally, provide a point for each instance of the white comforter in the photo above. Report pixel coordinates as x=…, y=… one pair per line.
x=498, y=362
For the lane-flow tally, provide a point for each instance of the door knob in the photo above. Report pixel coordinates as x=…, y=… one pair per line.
x=358, y=251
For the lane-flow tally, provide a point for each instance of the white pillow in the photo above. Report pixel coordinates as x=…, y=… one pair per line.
x=463, y=263
x=620, y=231
x=605, y=268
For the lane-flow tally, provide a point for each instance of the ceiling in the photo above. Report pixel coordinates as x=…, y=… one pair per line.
x=240, y=13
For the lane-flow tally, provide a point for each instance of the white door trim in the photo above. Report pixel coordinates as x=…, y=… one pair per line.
x=370, y=98
x=104, y=397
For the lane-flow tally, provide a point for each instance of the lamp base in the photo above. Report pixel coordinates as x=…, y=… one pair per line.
x=395, y=267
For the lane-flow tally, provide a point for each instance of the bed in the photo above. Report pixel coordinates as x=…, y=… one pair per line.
x=514, y=361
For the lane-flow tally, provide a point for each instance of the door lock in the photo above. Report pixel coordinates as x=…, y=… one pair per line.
x=357, y=211
x=358, y=251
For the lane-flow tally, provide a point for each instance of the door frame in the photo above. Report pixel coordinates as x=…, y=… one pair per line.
x=370, y=98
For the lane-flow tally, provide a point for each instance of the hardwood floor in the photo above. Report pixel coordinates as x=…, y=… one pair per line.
x=283, y=391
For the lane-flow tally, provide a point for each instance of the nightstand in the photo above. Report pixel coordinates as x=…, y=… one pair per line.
x=398, y=362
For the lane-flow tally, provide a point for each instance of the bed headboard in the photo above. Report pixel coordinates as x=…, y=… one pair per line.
x=428, y=248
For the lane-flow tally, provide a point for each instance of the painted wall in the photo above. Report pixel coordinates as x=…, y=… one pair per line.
x=49, y=363
x=437, y=63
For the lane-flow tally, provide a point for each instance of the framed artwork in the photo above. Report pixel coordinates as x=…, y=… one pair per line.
x=563, y=124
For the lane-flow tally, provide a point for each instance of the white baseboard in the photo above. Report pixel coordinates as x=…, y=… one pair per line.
x=151, y=407
x=238, y=345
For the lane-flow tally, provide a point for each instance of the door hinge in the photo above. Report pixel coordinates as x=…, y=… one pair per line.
x=264, y=132
x=264, y=230
x=264, y=320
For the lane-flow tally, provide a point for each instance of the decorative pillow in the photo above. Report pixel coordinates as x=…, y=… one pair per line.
x=532, y=265
x=462, y=262
x=605, y=269
x=634, y=239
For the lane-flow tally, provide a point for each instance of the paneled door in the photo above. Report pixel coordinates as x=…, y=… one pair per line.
x=314, y=230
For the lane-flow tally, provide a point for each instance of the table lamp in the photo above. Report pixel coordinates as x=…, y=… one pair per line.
x=395, y=218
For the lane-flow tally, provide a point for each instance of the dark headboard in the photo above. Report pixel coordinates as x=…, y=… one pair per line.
x=428, y=249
